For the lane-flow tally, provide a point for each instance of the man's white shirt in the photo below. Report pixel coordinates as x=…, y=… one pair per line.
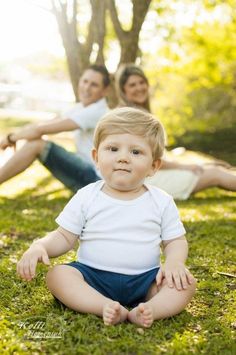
x=86, y=117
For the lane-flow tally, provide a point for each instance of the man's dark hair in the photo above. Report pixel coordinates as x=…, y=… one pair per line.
x=102, y=70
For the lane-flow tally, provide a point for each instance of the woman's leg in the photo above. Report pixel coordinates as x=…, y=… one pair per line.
x=216, y=177
x=22, y=159
x=67, y=284
x=164, y=302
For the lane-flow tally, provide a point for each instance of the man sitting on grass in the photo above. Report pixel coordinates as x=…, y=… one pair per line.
x=73, y=170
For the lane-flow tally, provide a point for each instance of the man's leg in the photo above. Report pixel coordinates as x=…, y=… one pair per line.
x=216, y=177
x=67, y=284
x=22, y=159
x=165, y=303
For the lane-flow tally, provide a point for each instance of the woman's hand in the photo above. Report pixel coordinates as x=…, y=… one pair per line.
x=26, y=267
x=195, y=168
x=176, y=275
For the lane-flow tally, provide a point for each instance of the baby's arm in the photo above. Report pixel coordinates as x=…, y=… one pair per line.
x=174, y=269
x=52, y=245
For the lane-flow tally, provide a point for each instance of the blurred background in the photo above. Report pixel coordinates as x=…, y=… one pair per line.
x=186, y=48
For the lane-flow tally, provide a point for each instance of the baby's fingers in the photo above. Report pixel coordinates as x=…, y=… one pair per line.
x=183, y=279
x=24, y=269
x=32, y=268
x=189, y=276
x=20, y=269
x=45, y=259
x=169, y=279
x=177, y=280
x=159, y=277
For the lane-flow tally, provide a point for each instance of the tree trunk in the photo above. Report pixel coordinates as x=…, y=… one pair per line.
x=81, y=54
x=129, y=39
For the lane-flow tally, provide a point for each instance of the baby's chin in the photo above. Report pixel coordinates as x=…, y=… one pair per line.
x=125, y=189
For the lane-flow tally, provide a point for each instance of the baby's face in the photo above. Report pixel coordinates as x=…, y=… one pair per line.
x=124, y=161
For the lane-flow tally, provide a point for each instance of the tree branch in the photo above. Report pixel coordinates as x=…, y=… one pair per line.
x=115, y=20
x=140, y=9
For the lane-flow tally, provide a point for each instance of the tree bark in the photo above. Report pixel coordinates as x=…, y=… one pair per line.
x=129, y=39
x=81, y=54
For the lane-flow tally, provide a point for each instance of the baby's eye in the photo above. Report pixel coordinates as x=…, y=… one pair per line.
x=113, y=149
x=135, y=151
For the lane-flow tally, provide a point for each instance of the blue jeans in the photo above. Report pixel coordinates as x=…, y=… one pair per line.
x=73, y=171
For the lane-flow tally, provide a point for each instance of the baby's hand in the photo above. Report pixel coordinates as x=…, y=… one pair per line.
x=27, y=265
x=176, y=275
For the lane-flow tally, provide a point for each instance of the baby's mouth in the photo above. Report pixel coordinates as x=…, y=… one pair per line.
x=125, y=170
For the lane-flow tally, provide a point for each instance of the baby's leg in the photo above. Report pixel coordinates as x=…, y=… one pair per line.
x=67, y=284
x=165, y=303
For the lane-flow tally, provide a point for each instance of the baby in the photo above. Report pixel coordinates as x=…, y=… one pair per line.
x=120, y=223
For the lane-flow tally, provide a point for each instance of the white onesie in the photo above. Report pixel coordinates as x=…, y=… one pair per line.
x=117, y=235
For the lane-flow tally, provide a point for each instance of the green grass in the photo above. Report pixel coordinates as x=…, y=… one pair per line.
x=206, y=327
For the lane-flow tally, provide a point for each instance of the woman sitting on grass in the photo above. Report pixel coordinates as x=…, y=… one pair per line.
x=178, y=179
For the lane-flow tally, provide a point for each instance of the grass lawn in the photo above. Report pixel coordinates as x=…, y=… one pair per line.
x=32, y=322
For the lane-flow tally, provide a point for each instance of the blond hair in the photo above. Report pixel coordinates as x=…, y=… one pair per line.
x=133, y=121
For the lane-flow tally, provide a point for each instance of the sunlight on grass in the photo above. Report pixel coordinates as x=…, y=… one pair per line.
x=29, y=179
x=29, y=204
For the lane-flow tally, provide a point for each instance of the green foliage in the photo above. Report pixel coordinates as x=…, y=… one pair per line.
x=196, y=75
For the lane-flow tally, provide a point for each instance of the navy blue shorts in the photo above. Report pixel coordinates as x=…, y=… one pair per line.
x=128, y=290
x=73, y=171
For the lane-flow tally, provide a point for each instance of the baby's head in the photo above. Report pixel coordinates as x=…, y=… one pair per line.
x=132, y=121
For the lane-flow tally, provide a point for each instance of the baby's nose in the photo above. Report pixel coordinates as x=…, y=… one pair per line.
x=123, y=158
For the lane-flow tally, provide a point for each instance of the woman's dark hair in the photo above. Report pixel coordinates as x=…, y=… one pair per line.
x=122, y=75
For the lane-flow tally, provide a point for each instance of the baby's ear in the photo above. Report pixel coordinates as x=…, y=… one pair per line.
x=95, y=156
x=156, y=164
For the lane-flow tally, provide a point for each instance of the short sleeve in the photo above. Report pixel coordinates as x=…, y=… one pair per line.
x=86, y=117
x=171, y=226
x=72, y=218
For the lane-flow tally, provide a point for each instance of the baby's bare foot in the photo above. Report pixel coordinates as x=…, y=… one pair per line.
x=141, y=315
x=114, y=313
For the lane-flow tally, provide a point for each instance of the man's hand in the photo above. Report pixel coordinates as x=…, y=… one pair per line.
x=29, y=132
x=176, y=275
x=4, y=143
x=26, y=267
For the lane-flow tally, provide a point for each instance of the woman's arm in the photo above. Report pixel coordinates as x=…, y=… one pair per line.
x=52, y=245
x=170, y=164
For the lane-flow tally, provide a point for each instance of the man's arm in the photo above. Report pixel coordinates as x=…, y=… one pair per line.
x=54, y=244
x=174, y=270
x=36, y=131
x=53, y=126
